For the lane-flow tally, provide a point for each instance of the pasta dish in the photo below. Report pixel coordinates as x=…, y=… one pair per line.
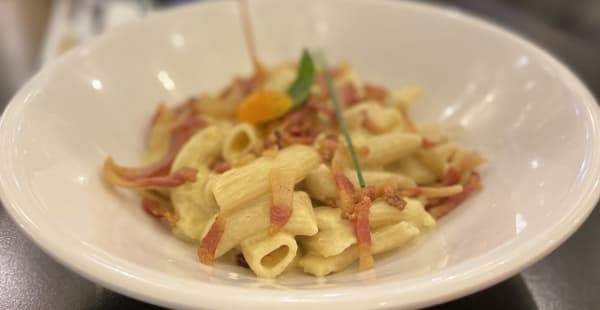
x=298, y=166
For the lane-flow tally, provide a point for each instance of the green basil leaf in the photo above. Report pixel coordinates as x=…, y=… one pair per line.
x=300, y=89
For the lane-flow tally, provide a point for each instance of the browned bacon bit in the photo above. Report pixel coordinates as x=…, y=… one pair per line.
x=373, y=192
x=154, y=209
x=348, y=95
x=451, y=177
x=368, y=123
x=299, y=128
x=346, y=192
x=375, y=92
x=331, y=202
x=241, y=261
x=208, y=245
x=221, y=166
x=393, y=197
x=362, y=231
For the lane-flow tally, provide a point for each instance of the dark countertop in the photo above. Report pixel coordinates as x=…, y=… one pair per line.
x=566, y=279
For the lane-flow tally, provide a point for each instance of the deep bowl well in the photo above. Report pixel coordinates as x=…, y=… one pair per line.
x=528, y=114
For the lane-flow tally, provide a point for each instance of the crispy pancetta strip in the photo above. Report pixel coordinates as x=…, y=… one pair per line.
x=362, y=230
x=208, y=245
x=157, y=174
x=282, y=188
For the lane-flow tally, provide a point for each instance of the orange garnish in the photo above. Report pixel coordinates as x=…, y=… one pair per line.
x=263, y=105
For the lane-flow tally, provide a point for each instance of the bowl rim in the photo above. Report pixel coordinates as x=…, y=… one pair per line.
x=152, y=286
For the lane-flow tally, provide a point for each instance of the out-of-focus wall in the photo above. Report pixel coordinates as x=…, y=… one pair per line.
x=22, y=29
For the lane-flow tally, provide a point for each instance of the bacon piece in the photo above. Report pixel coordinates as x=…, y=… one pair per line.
x=161, y=113
x=221, y=166
x=472, y=185
x=327, y=147
x=346, y=193
x=452, y=177
x=184, y=128
x=348, y=95
x=442, y=207
x=208, y=245
x=154, y=209
x=282, y=188
x=298, y=128
x=468, y=161
x=427, y=143
x=362, y=231
x=373, y=192
x=393, y=197
x=279, y=216
x=375, y=92
x=178, y=177
x=368, y=123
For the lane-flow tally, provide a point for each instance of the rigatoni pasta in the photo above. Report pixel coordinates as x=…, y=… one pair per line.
x=262, y=169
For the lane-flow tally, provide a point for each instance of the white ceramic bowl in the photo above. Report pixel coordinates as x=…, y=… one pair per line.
x=520, y=107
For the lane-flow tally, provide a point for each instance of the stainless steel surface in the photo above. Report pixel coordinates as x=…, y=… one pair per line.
x=566, y=279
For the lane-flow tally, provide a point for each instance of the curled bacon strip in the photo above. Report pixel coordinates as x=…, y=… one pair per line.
x=444, y=206
x=154, y=209
x=178, y=177
x=362, y=231
x=472, y=185
x=375, y=92
x=346, y=192
x=348, y=95
x=282, y=189
x=279, y=216
x=452, y=177
x=208, y=245
x=221, y=166
x=156, y=174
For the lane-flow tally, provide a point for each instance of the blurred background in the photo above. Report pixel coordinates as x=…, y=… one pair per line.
x=34, y=32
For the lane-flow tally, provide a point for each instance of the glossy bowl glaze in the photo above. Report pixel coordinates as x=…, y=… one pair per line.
x=528, y=114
